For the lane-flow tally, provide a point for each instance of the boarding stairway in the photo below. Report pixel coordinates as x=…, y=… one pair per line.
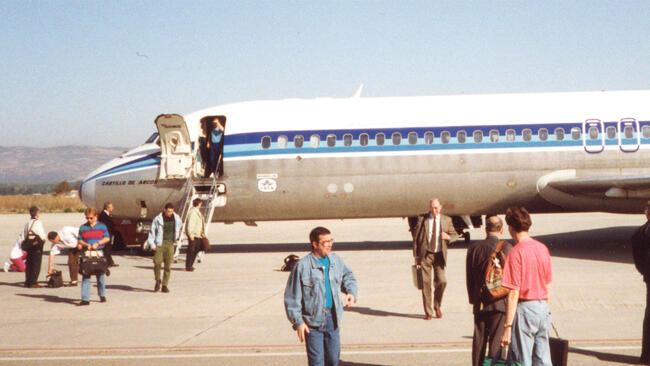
x=211, y=193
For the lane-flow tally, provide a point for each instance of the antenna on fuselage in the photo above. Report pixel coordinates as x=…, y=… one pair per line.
x=357, y=93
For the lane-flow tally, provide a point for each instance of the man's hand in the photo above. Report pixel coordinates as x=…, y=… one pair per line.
x=302, y=330
x=445, y=236
x=350, y=300
x=507, y=337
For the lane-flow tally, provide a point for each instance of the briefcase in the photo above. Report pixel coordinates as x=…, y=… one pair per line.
x=559, y=349
x=416, y=272
x=93, y=265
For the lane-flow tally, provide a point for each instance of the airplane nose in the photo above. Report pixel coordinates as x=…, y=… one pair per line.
x=87, y=192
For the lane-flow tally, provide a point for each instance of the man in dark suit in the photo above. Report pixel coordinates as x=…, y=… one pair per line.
x=106, y=218
x=641, y=254
x=432, y=234
x=489, y=314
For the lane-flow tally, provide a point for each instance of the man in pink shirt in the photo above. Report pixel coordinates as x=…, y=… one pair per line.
x=527, y=274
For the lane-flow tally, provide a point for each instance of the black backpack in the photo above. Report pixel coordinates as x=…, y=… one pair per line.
x=289, y=262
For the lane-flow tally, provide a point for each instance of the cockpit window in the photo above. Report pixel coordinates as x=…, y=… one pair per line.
x=152, y=138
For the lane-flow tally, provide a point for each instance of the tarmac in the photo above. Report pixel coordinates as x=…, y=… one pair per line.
x=230, y=311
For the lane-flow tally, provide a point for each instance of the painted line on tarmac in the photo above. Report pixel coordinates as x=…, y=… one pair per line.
x=273, y=354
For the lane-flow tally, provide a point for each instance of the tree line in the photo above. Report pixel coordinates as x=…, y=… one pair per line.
x=64, y=187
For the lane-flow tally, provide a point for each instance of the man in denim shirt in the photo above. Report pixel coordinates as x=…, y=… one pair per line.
x=313, y=304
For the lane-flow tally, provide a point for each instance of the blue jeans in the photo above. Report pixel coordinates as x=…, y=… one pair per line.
x=323, y=343
x=530, y=334
x=85, y=286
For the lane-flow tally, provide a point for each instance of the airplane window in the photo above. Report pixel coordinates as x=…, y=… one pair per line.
x=576, y=133
x=282, y=141
x=298, y=140
x=559, y=134
x=331, y=140
x=396, y=138
x=379, y=139
x=611, y=132
x=478, y=136
x=510, y=135
x=266, y=142
x=314, y=141
x=542, y=133
x=428, y=137
x=646, y=132
x=152, y=138
x=629, y=132
x=413, y=138
x=347, y=140
x=527, y=134
x=461, y=137
x=593, y=133
x=445, y=137
x=494, y=136
x=363, y=139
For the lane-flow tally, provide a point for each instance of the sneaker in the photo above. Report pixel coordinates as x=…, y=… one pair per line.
x=102, y=299
x=156, y=288
x=7, y=266
x=83, y=303
x=165, y=289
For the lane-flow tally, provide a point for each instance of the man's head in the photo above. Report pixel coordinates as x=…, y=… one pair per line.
x=321, y=241
x=169, y=209
x=435, y=206
x=33, y=212
x=54, y=237
x=493, y=225
x=91, y=215
x=197, y=202
x=108, y=207
x=518, y=219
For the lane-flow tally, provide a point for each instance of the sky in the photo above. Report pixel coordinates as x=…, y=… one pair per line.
x=99, y=72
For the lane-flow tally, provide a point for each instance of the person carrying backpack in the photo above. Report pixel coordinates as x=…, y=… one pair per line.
x=641, y=255
x=484, y=260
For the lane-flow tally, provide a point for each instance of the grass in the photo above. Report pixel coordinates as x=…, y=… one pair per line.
x=45, y=202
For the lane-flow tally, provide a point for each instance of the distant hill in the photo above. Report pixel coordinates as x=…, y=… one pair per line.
x=19, y=164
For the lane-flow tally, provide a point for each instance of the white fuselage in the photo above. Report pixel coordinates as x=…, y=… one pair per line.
x=479, y=154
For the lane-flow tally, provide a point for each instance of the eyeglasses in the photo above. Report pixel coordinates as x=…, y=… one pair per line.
x=331, y=241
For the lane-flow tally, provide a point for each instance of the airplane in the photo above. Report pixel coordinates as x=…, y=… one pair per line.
x=345, y=158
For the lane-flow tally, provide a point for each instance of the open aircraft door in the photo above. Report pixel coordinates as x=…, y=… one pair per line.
x=175, y=147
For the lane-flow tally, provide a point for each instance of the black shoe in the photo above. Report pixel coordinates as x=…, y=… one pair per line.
x=82, y=303
x=165, y=289
x=190, y=269
x=156, y=288
x=102, y=299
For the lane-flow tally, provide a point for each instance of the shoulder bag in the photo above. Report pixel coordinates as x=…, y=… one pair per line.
x=32, y=241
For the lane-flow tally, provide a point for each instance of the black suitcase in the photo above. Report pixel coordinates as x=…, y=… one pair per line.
x=559, y=349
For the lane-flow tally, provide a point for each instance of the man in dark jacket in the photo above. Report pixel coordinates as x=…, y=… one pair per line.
x=489, y=314
x=106, y=218
x=641, y=252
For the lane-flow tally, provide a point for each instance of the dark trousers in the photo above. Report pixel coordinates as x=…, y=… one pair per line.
x=433, y=267
x=192, y=250
x=645, y=344
x=73, y=263
x=108, y=249
x=488, y=329
x=33, y=266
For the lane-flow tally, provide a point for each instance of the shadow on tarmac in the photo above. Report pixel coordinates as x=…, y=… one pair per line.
x=127, y=288
x=51, y=298
x=607, y=357
x=350, y=363
x=610, y=244
x=369, y=311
